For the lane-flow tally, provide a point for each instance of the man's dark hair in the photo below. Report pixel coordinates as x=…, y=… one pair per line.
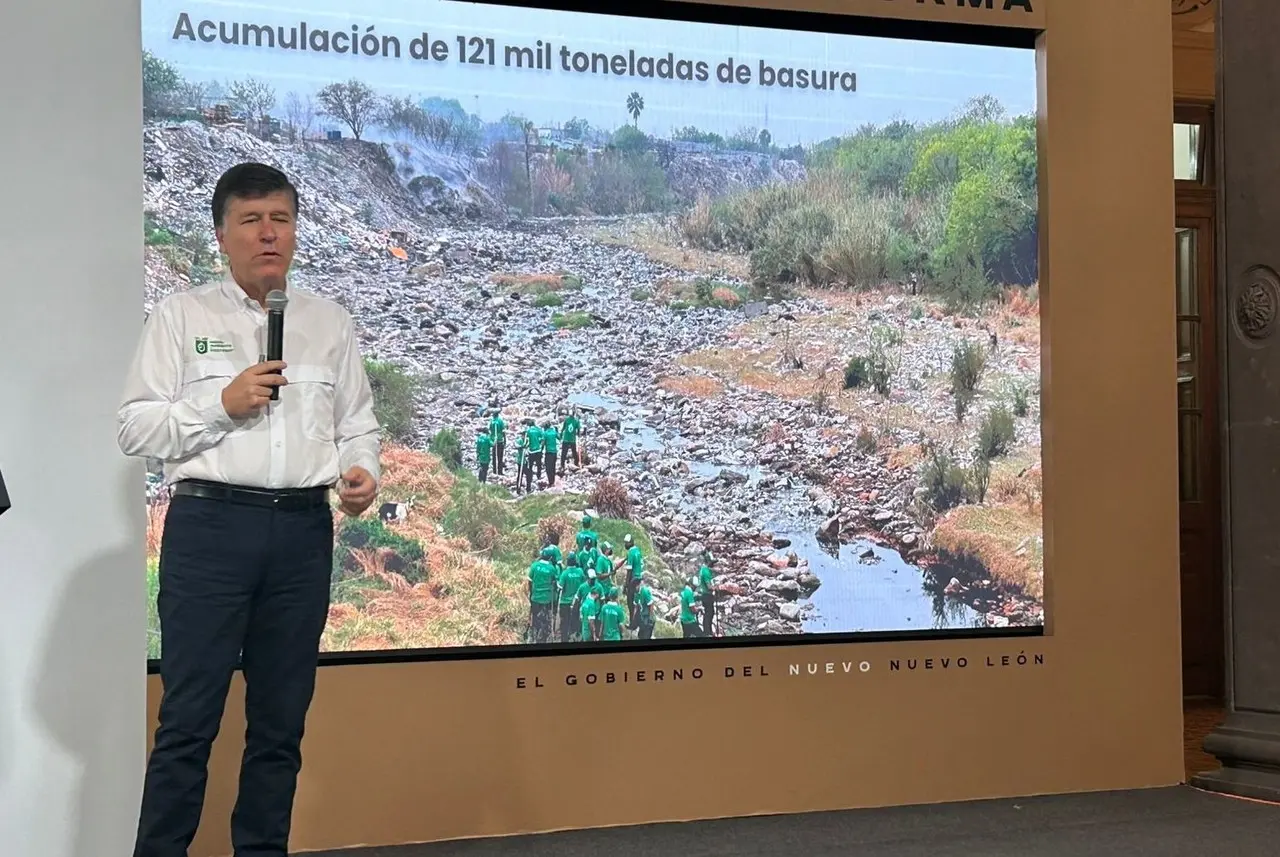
x=249, y=181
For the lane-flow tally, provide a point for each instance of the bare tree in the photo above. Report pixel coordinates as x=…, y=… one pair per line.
x=353, y=103
x=253, y=99
x=300, y=113
x=196, y=94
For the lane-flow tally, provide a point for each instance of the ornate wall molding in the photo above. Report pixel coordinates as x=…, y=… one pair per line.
x=1256, y=304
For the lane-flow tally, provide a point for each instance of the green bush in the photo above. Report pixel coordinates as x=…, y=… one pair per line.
x=885, y=360
x=1021, y=403
x=572, y=320
x=409, y=560
x=945, y=482
x=448, y=447
x=980, y=477
x=968, y=361
x=952, y=202
x=394, y=395
x=548, y=300
x=856, y=373
x=996, y=434
x=703, y=288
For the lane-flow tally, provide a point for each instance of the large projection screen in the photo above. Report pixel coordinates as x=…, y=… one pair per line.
x=466, y=747
x=740, y=323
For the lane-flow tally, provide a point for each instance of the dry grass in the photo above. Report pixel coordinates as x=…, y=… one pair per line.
x=726, y=297
x=1013, y=481
x=906, y=457
x=662, y=243
x=411, y=474
x=758, y=369
x=155, y=526
x=693, y=386
x=1006, y=538
x=1016, y=318
x=764, y=369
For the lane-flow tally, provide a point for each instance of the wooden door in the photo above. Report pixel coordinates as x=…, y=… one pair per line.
x=1198, y=383
x=1198, y=459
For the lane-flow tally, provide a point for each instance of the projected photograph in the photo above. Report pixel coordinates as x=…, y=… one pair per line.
x=674, y=329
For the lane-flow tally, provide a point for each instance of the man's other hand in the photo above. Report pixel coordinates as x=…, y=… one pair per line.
x=357, y=491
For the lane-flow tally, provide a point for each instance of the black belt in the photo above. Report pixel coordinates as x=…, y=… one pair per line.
x=275, y=498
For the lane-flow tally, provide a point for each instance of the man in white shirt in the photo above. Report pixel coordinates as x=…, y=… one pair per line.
x=247, y=551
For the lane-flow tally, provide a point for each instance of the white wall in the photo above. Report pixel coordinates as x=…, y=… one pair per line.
x=72, y=620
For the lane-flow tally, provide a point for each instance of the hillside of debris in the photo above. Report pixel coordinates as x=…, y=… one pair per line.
x=356, y=192
x=352, y=191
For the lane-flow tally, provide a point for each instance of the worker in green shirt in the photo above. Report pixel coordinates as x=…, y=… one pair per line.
x=590, y=587
x=593, y=558
x=642, y=618
x=707, y=594
x=588, y=612
x=534, y=434
x=604, y=565
x=553, y=550
x=549, y=440
x=688, y=609
x=498, y=434
x=524, y=471
x=484, y=453
x=570, y=584
x=611, y=617
x=587, y=551
x=634, y=562
x=569, y=439
x=542, y=587
x=585, y=532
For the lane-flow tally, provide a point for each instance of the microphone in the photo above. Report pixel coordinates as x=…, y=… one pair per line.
x=276, y=302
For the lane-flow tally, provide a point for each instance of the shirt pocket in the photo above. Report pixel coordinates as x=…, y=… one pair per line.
x=205, y=377
x=315, y=388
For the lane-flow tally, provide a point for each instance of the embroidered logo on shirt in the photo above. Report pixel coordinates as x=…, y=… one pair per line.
x=206, y=345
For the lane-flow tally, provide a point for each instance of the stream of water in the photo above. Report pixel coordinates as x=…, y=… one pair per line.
x=884, y=594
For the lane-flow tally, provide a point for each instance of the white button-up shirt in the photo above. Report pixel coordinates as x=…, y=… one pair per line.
x=195, y=342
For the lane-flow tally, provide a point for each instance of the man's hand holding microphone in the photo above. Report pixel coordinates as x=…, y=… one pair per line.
x=250, y=391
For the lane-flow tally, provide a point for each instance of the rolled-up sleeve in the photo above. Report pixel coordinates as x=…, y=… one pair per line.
x=154, y=419
x=356, y=427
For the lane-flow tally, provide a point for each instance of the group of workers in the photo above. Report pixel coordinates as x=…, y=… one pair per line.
x=541, y=450
x=574, y=596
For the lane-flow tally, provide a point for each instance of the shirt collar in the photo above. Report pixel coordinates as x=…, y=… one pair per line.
x=236, y=295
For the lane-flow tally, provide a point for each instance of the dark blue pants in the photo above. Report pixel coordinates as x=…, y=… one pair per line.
x=245, y=585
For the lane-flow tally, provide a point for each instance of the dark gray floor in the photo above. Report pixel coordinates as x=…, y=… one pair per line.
x=1172, y=822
